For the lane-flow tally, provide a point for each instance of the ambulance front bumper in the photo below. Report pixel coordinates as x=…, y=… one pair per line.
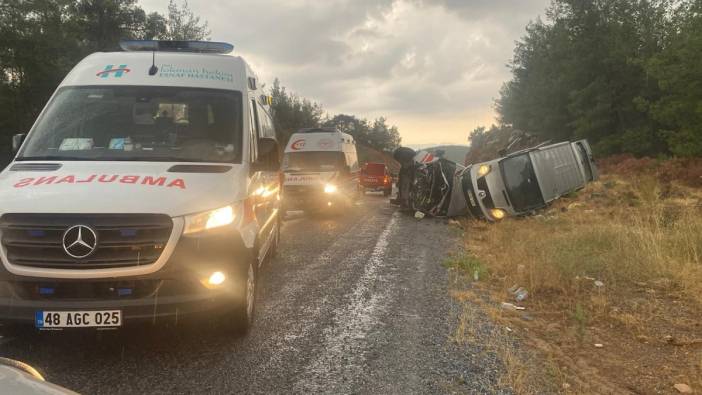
x=178, y=290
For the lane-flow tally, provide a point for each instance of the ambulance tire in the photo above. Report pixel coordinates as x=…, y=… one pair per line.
x=240, y=317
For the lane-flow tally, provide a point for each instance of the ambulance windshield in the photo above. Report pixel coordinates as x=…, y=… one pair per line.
x=139, y=123
x=314, y=161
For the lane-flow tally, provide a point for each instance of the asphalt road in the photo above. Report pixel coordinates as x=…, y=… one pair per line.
x=357, y=303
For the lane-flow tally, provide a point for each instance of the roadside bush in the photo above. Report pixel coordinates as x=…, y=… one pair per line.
x=684, y=170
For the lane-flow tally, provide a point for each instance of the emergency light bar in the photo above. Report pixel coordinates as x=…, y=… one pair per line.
x=324, y=129
x=176, y=46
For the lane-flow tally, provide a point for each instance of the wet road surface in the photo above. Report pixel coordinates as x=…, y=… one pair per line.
x=357, y=303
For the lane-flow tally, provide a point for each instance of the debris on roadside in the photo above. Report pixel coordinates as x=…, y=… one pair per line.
x=599, y=345
x=520, y=293
x=512, y=307
x=575, y=205
x=683, y=388
x=419, y=215
x=599, y=284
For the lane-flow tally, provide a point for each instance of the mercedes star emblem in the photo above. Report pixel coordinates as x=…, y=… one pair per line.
x=79, y=241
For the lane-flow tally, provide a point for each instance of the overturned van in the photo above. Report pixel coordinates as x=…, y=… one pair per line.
x=526, y=180
x=321, y=171
x=147, y=190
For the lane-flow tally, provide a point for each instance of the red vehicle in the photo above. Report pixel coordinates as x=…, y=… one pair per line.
x=376, y=177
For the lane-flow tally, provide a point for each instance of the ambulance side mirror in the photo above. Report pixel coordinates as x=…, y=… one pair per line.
x=268, y=159
x=17, y=141
x=266, y=146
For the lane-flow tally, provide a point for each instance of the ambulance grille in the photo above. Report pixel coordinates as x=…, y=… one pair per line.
x=123, y=240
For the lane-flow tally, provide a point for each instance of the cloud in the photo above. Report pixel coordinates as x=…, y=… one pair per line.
x=412, y=60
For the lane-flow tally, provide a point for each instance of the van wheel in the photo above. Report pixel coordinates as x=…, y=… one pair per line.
x=240, y=318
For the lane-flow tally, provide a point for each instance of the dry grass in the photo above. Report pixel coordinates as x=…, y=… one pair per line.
x=643, y=241
x=630, y=235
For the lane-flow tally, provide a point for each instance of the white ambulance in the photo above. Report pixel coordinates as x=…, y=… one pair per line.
x=321, y=170
x=147, y=190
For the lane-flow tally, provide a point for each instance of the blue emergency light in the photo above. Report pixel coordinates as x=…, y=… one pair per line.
x=176, y=46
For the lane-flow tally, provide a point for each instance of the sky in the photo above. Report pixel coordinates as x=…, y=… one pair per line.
x=431, y=67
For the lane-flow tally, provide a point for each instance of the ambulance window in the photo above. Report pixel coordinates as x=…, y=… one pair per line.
x=176, y=112
x=267, y=129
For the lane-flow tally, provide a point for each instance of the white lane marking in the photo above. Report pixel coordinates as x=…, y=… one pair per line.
x=342, y=358
x=308, y=315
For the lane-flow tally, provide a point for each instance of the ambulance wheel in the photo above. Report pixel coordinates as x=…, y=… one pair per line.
x=239, y=319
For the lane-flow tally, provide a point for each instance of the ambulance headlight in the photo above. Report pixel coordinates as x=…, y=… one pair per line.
x=483, y=170
x=330, y=188
x=209, y=220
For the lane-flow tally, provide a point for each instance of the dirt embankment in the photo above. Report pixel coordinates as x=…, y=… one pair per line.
x=614, y=281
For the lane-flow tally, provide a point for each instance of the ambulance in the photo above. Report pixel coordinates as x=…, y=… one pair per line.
x=147, y=190
x=321, y=170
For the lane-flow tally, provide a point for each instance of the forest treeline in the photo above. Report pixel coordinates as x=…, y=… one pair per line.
x=624, y=74
x=41, y=40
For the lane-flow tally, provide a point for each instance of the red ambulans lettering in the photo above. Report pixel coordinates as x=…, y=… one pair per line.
x=45, y=180
x=67, y=179
x=103, y=178
x=177, y=183
x=129, y=179
x=148, y=180
x=24, y=182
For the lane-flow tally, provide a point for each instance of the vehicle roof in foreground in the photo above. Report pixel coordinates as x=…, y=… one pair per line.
x=187, y=69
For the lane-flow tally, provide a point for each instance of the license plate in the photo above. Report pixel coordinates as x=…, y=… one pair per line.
x=78, y=319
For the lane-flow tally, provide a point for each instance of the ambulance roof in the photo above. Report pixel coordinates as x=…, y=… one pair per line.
x=185, y=69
